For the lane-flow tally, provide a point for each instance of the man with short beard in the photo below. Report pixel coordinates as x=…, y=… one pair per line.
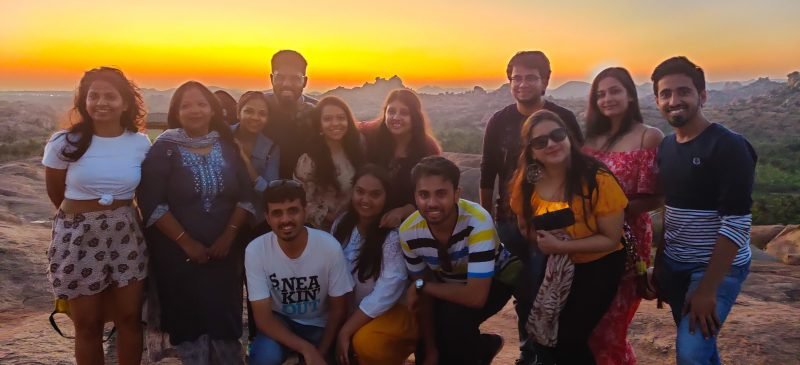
x=297, y=279
x=707, y=173
x=462, y=274
x=289, y=124
x=528, y=73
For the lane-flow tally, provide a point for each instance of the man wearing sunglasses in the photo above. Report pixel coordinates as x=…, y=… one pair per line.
x=528, y=73
x=297, y=279
x=289, y=124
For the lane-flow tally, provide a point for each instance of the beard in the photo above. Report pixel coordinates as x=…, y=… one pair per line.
x=678, y=121
x=532, y=101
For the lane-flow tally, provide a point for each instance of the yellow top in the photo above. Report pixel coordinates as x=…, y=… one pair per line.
x=607, y=199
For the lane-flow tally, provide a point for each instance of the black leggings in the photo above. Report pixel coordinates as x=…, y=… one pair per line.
x=593, y=288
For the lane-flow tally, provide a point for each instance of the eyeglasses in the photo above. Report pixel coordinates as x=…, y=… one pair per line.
x=293, y=79
x=518, y=79
x=284, y=182
x=556, y=135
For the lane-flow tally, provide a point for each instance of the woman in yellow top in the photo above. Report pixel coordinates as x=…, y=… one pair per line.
x=572, y=207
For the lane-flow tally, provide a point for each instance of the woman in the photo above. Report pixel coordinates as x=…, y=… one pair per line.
x=381, y=330
x=616, y=135
x=261, y=157
x=195, y=195
x=398, y=141
x=228, y=104
x=98, y=258
x=572, y=208
x=327, y=169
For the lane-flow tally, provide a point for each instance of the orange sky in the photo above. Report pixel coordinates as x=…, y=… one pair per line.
x=47, y=44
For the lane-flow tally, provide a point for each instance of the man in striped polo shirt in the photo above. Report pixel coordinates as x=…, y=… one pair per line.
x=452, y=250
x=707, y=175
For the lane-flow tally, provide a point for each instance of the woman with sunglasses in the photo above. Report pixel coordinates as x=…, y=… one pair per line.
x=554, y=179
x=333, y=154
x=379, y=330
x=195, y=196
x=616, y=136
x=398, y=141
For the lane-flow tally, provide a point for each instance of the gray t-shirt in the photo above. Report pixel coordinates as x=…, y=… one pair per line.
x=299, y=287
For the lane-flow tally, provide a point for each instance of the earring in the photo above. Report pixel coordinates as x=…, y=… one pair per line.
x=534, y=172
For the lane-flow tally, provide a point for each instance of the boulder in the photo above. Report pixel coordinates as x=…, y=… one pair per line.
x=786, y=245
x=761, y=235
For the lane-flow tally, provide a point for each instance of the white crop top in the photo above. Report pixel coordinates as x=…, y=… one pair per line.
x=110, y=169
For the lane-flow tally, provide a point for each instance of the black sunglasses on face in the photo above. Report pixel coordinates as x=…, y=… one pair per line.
x=281, y=182
x=556, y=135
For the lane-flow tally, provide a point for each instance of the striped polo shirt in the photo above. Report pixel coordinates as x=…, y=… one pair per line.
x=707, y=184
x=472, y=249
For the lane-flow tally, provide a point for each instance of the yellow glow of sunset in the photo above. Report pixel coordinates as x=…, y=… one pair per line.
x=46, y=44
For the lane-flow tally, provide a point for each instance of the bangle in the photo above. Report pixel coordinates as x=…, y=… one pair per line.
x=179, y=236
x=234, y=227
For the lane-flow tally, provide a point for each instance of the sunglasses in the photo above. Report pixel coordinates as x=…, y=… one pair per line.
x=284, y=182
x=556, y=135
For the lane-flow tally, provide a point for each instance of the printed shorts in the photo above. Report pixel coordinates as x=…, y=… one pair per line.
x=93, y=250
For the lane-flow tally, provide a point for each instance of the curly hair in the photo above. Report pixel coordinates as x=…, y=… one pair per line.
x=82, y=126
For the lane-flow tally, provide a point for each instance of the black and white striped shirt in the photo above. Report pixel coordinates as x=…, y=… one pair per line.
x=707, y=183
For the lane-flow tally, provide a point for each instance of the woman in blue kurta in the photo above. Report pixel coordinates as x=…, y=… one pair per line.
x=194, y=196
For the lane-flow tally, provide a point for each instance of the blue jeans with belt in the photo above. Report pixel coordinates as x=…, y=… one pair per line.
x=676, y=281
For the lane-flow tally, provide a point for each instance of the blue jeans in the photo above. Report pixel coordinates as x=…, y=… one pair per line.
x=676, y=281
x=266, y=351
x=533, y=265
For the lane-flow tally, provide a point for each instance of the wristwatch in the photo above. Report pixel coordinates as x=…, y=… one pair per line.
x=419, y=284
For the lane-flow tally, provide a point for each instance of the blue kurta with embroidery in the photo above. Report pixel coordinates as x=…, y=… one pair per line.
x=201, y=192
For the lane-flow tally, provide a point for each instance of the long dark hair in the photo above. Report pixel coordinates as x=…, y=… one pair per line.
x=370, y=258
x=217, y=122
x=320, y=153
x=382, y=148
x=581, y=179
x=597, y=123
x=82, y=126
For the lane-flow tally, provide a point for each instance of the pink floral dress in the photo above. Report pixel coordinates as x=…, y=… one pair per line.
x=636, y=172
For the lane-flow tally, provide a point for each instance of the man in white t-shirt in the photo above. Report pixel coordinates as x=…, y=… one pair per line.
x=297, y=279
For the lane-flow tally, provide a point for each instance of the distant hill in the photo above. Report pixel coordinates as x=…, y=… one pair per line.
x=571, y=90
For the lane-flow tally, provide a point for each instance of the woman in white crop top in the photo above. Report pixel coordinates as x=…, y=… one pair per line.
x=379, y=330
x=98, y=253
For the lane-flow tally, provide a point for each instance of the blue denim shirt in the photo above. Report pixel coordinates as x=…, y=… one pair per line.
x=265, y=159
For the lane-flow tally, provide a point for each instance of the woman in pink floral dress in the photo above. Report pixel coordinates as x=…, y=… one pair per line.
x=616, y=135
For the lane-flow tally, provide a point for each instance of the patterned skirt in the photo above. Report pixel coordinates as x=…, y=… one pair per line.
x=91, y=251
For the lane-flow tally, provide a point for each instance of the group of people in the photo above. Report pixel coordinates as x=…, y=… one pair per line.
x=353, y=241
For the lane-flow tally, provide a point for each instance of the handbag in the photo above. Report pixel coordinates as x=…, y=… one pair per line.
x=62, y=307
x=636, y=264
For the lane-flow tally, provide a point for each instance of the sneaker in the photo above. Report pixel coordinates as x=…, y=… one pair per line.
x=493, y=344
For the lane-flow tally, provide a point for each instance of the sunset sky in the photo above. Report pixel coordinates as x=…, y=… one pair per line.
x=47, y=44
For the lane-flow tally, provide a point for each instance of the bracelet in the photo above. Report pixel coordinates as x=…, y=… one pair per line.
x=234, y=227
x=179, y=236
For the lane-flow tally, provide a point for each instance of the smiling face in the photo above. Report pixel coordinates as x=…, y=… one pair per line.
x=436, y=199
x=333, y=122
x=286, y=218
x=612, y=98
x=369, y=197
x=678, y=99
x=398, y=118
x=288, y=82
x=104, y=103
x=556, y=151
x=254, y=115
x=195, y=112
x=527, y=85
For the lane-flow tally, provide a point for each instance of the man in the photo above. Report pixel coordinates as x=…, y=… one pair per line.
x=707, y=175
x=297, y=279
x=451, y=249
x=289, y=123
x=529, y=74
